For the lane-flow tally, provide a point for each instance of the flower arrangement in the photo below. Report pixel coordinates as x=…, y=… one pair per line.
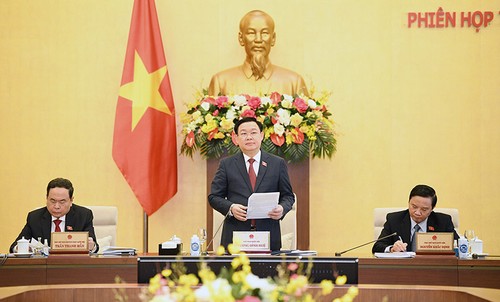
x=295, y=127
x=239, y=284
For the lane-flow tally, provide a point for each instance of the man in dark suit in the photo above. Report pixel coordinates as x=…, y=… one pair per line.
x=232, y=185
x=60, y=214
x=419, y=217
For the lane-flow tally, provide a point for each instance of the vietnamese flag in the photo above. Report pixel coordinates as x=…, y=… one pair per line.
x=144, y=140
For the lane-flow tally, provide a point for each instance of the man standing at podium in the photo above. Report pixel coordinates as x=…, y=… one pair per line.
x=419, y=217
x=244, y=173
x=59, y=215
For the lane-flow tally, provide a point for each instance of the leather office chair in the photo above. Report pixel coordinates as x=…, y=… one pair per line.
x=288, y=229
x=379, y=217
x=105, y=221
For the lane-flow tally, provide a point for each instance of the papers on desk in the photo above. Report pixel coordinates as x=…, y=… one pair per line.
x=119, y=251
x=296, y=253
x=395, y=255
x=260, y=204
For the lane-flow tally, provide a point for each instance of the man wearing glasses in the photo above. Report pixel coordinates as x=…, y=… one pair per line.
x=59, y=215
x=233, y=184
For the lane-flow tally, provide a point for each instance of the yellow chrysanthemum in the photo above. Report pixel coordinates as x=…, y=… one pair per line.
x=154, y=284
x=341, y=280
x=234, y=248
x=206, y=275
x=326, y=287
x=189, y=280
x=235, y=263
x=166, y=273
x=221, y=250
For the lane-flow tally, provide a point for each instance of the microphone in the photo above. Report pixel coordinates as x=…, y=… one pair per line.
x=340, y=254
x=216, y=232
x=476, y=256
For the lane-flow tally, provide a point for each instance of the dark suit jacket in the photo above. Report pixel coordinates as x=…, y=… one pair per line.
x=39, y=222
x=231, y=184
x=400, y=222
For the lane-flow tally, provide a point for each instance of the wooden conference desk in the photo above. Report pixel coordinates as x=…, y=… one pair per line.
x=424, y=270
x=67, y=270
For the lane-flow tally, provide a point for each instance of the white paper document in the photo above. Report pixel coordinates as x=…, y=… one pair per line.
x=395, y=255
x=260, y=204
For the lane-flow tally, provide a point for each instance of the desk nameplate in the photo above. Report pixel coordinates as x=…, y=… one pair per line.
x=69, y=243
x=435, y=243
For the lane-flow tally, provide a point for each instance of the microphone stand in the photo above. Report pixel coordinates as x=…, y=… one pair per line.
x=216, y=232
x=340, y=254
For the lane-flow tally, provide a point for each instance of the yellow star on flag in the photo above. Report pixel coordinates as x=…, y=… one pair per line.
x=143, y=91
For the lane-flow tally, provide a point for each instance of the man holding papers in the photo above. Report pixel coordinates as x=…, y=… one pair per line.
x=244, y=173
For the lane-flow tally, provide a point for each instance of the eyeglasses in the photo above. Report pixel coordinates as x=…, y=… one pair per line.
x=247, y=134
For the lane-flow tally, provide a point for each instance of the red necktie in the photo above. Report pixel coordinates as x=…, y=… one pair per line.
x=57, y=222
x=251, y=173
x=253, y=179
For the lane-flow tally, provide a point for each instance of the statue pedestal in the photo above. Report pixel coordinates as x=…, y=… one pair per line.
x=299, y=177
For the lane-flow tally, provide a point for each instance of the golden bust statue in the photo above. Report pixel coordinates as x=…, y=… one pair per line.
x=257, y=75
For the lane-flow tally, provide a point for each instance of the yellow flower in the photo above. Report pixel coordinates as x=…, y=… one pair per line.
x=166, y=273
x=296, y=119
x=219, y=135
x=297, y=285
x=326, y=287
x=188, y=280
x=341, y=280
x=209, y=126
x=238, y=277
x=154, y=283
x=235, y=263
x=226, y=124
x=206, y=275
x=353, y=291
x=234, y=248
x=221, y=250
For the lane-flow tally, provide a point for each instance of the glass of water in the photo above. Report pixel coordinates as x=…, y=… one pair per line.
x=202, y=233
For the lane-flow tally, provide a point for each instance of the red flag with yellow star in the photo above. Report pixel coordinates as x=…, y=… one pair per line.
x=144, y=141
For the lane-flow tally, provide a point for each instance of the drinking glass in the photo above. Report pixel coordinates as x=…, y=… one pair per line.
x=470, y=235
x=202, y=233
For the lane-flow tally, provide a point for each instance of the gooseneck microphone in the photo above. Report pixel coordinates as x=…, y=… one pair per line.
x=477, y=256
x=216, y=232
x=340, y=254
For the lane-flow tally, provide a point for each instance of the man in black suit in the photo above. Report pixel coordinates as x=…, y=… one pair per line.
x=60, y=214
x=420, y=212
x=232, y=186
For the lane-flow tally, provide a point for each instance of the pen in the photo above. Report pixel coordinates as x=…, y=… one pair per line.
x=400, y=239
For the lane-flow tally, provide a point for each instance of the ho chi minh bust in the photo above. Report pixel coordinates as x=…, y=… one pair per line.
x=257, y=75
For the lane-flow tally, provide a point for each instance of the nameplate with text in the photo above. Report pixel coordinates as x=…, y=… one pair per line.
x=69, y=242
x=253, y=241
x=434, y=243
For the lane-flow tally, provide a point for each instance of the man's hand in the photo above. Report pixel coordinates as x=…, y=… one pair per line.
x=91, y=244
x=239, y=211
x=276, y=213
x=399, y=246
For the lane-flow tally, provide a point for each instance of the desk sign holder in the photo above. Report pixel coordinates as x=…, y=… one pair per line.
x=434, y=243
x=69, y=243
x=253, y=242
